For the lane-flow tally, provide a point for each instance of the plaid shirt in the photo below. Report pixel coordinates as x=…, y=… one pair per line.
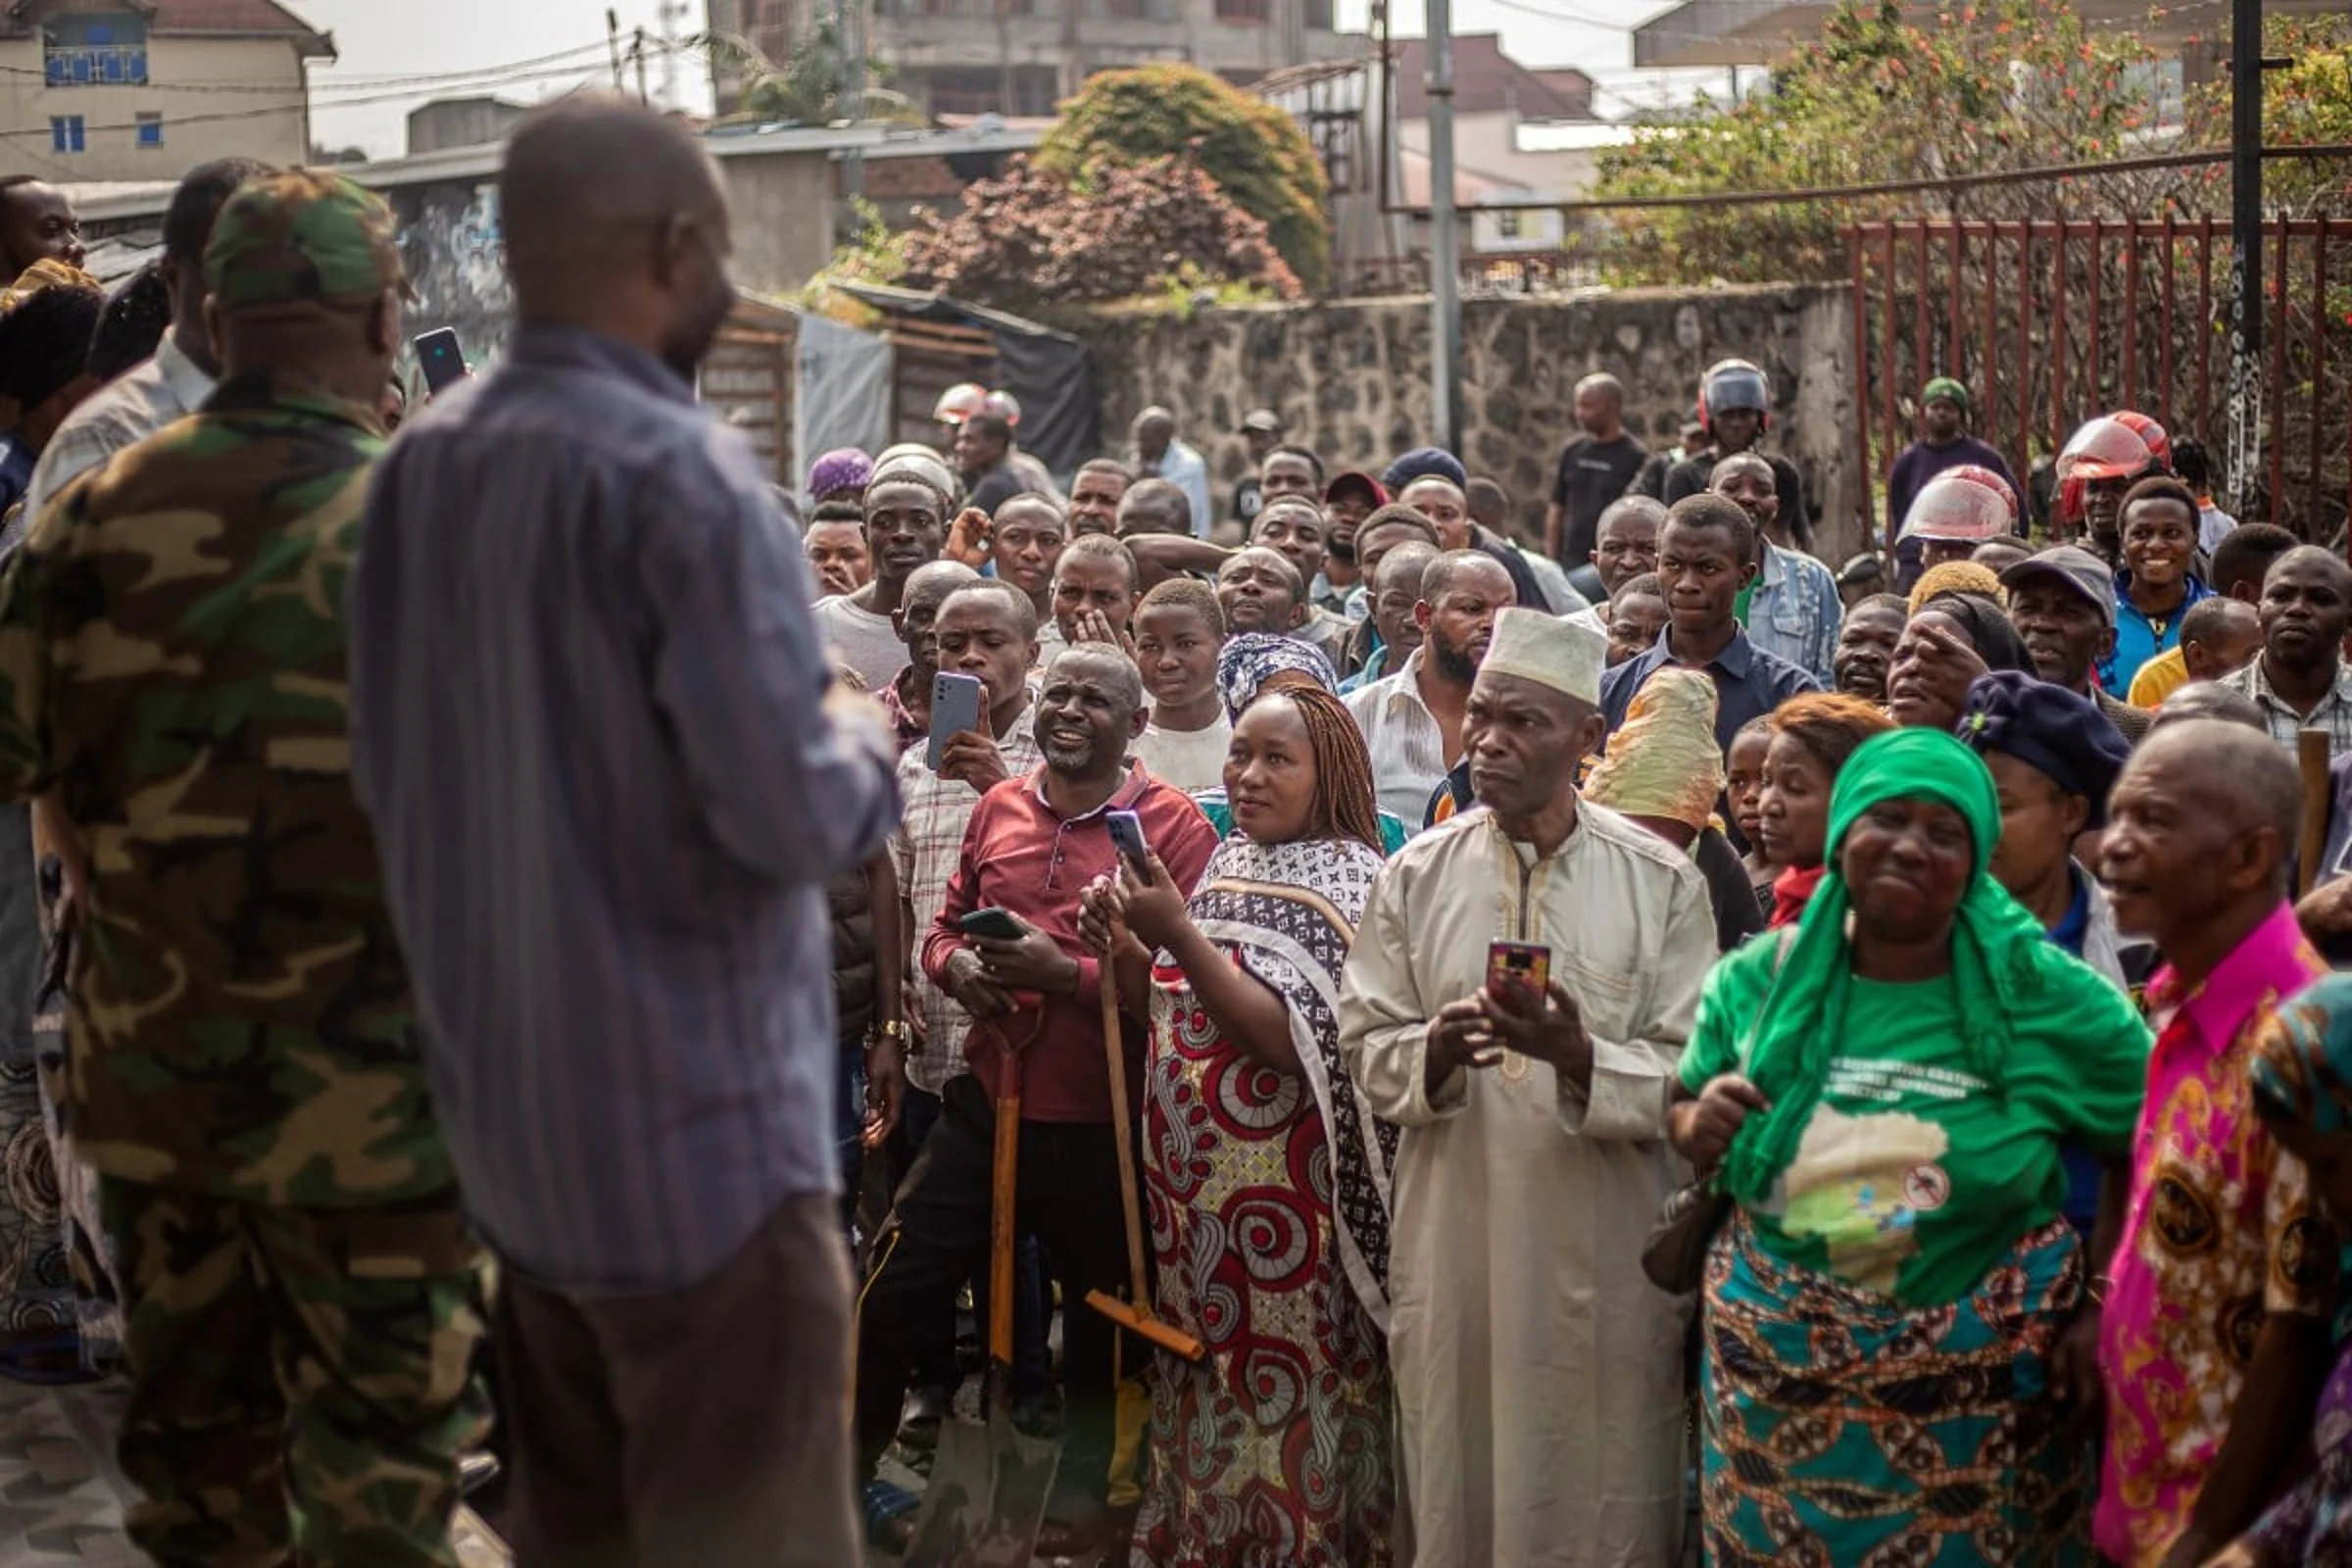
x=925, y=850
x=2333, y=714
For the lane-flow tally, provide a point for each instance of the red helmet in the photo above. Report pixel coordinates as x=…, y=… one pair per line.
x=1734, y=384
x=960, y=401
x=2150, y=433
x=1955, y=509
x=1991, y=481
x=2105, y=448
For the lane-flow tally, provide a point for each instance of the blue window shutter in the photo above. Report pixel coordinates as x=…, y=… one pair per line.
x=73, y=132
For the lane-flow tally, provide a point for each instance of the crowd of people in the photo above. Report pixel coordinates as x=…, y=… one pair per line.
x=1634, y=1044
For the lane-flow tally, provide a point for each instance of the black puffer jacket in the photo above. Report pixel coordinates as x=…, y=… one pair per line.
x=853, y=915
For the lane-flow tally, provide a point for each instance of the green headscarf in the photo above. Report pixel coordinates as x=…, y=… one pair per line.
x=1944, y=386
x=2005, y=969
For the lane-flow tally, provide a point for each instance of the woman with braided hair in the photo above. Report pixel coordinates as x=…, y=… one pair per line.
x=1266, y=1176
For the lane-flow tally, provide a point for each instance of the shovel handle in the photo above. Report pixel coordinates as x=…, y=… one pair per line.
x=1115, y=1051
x=1005, y=1185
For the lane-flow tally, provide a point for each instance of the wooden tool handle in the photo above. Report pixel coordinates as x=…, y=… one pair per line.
x=2310, y=754
x=1115, y=1050
x=1004, y=1185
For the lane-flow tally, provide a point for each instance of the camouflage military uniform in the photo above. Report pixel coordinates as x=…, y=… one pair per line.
x=298, y=1281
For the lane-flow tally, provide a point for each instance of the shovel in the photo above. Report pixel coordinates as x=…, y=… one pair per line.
x=1135, y=1313
x=986, y=1499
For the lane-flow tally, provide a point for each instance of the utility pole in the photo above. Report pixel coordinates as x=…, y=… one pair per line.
x=612, y=37
x=852, y=97
x=637, y=53
x=1445, y=237
x=2245, y=252
x=672, y=12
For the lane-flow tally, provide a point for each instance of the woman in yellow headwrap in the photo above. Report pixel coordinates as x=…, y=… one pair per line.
x=1665, y=773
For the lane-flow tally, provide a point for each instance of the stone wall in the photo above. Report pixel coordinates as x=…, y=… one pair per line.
x=1351, y=379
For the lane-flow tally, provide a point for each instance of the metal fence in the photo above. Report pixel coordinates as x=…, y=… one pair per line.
x=2053, y=323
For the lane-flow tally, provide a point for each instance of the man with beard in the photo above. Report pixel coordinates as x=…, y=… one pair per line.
x=1347, y=502
x=2300, y=681
x=1865, y=653
x=2062, y=603
x=1539, y=1373
x=1032, y=843
x=1095, y=491
x=593, y=731
x=1412, y=720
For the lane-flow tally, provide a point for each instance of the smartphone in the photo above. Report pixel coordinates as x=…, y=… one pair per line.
x=954, y=709
x=1518, y=964
x=1127, y=832
x=442, y=358
x=997, y=925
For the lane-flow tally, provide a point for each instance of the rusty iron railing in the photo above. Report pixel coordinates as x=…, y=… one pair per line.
x=2051, y=322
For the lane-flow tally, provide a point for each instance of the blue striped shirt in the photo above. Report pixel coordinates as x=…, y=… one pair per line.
x=589, y=728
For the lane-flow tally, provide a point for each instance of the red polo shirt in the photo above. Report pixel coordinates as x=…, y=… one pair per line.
x=1020, y=855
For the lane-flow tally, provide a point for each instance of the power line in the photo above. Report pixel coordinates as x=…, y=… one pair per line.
x=350, y=86
x=293, y=104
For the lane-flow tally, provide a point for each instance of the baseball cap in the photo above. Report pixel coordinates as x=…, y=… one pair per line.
x=2086, y=574
x=1263, y=420
x=1362, y=484
x=1860, y=568
x=303, y=236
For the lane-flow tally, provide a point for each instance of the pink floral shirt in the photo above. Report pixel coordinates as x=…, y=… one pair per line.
x=2221, y=1233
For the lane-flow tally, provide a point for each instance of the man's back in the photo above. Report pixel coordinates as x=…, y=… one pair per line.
x=173, y=655
x=590, y=734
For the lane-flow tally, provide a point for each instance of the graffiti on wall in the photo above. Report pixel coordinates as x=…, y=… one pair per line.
x=455, y=253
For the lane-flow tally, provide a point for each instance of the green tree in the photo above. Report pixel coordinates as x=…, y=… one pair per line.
x=1968, y=88
x=1255, y=151
x=2307, y=103
x=807, y=87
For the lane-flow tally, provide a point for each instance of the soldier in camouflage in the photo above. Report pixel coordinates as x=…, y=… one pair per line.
x=299, y=1283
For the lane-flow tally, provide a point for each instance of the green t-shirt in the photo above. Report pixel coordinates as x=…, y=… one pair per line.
x=1914, y=1176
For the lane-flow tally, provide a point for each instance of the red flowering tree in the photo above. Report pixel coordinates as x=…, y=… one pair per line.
x=1033, y=241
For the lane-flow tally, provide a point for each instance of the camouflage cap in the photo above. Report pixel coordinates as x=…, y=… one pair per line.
x=301, y=236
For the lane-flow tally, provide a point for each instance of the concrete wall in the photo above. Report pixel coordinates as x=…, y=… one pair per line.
x=273, y=128
x=449, y=123
x=1352, y=378
x=783, y=217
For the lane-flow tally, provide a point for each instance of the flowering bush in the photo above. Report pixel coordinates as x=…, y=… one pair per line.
x=1250, y=149
x=1030, y=241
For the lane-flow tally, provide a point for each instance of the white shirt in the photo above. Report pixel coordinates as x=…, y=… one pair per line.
x=122, y=414
x=1539, y=1373
x=2213, y=527
x=1408, y=749
x=1186, y=759
x=864, y=641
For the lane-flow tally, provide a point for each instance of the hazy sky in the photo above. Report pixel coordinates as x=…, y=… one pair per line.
x=357, y=103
